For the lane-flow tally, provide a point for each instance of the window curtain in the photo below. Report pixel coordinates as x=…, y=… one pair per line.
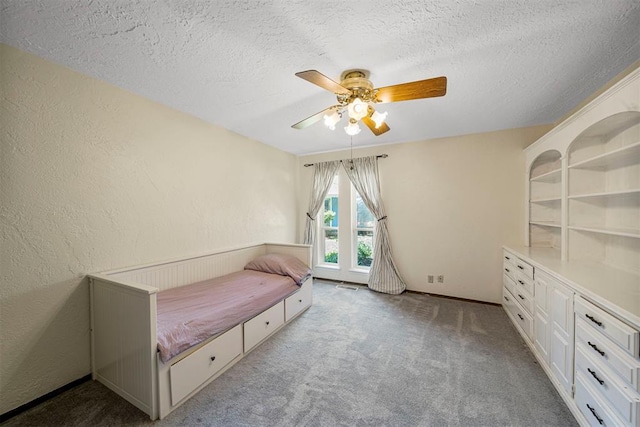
x=323, y=174
x=383, y=274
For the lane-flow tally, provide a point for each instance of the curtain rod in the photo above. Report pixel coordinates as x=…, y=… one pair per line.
x=380, y=156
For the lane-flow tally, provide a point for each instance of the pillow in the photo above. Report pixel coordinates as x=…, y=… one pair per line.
x=284, y=265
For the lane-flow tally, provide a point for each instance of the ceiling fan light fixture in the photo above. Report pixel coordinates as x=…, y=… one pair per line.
x=378, y=118
x=357, y=109
x=331, y=120
x=353, y=128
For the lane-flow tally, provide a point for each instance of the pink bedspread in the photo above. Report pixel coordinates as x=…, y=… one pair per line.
x=189, y=315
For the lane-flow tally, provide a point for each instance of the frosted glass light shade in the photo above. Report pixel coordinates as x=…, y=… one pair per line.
x=378, y=118
x=357, y=109
x=352, y=129
x=331, y=120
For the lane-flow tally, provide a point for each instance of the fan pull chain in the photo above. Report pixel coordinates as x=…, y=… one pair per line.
x=351, y=161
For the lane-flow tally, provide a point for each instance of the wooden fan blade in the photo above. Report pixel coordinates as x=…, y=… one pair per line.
x=315, y=118
x=319, y=79
x=429, y=88
x=372, y=125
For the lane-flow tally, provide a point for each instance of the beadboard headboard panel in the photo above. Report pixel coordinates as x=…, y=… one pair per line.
x=175, y=273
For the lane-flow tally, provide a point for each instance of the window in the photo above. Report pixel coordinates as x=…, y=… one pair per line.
x=329, y=225
x=363, y=233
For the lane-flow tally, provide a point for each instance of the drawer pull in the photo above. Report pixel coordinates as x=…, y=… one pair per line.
x=595, y=414
x=520, y=267
x=521, y=282
x=593, y=346
x=267, y=322
x=507, y=258
x=507, y=270
x=593, y=374
x=506, y=298
x=593, y=320
x=521, y=297
x=213, y=358
x=520, y=316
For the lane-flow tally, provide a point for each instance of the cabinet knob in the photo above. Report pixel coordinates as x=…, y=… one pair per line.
x=595, y=414
x=213, y=358
x=521, y=282
x=593, y=346
x=593, y=320
x=267, y=322
x=299, y=300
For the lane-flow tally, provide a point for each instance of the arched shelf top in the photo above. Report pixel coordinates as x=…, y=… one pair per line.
x=608, y=140
x=546, y=166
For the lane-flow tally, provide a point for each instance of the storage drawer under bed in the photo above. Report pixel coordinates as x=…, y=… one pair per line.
x=192, y=371
x=298, y=301
x=263, y=325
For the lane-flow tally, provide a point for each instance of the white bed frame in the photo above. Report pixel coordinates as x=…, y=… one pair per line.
x=123, y=327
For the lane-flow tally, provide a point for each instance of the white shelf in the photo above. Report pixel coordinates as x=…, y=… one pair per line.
x=612, y=231
x=631, y=192
x=547, y=200
x=623, y=156
x=552, y=176
x=553, y=224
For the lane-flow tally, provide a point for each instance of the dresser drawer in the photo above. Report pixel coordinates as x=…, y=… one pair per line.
x=509, y=283
x=621, y=399
x=509, y=258
x=524, y=282
x=298, y=301
x=522, y=318
x=190, y=372
x=507, y=299
x=620, y=333
x=524, y=268
x=509, y=270
x=263, y=325
x=524, y=299
x=592, y=407
x=602, y=349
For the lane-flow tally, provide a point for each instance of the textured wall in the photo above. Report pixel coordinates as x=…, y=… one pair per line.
x=93, y=178
x=451, y=204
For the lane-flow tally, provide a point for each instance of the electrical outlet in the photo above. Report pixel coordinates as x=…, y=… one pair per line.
x=430, y=278
x=441, y=278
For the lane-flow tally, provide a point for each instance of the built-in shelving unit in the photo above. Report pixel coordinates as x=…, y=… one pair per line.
x=604, y=193
x=582, y=244
x=545, y=201
x=587, y=205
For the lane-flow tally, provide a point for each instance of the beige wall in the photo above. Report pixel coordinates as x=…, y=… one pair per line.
x=93, y=178
x=451, y=204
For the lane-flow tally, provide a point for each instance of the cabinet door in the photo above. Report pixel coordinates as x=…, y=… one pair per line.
x=541, y=330
x=562, y=333
x=541, y=324
x=541, y=290
x=562, y=358
x=562, y=308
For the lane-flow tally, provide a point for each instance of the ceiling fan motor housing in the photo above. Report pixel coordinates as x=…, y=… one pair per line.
x=359, y=85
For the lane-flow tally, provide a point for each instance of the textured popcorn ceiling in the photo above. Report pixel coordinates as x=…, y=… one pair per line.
x=510, y=63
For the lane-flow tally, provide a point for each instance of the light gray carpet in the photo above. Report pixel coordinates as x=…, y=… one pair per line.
x=357, y=358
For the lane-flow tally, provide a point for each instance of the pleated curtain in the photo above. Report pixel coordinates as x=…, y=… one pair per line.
x=323, y=174
x=383, y=274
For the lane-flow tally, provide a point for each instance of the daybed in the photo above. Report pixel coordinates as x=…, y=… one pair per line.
x=146, y=350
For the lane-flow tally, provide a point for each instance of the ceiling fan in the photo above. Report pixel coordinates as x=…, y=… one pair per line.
x=356, y=95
